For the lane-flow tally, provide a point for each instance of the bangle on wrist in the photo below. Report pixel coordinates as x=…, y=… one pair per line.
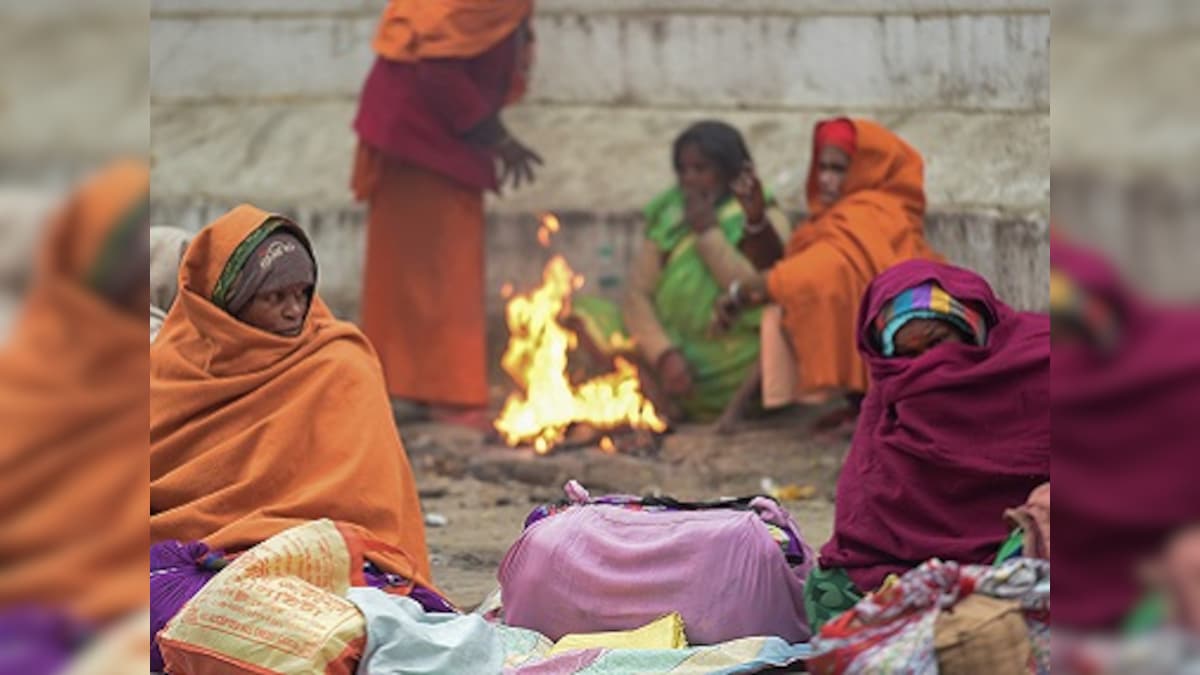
x=733, y=292
x=756, y=228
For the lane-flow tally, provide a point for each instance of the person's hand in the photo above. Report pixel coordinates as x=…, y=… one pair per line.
x=749, y=192
x=725, y=313
x=674, y=373
x=699, y=210
x=517, y=162
x=741, y=296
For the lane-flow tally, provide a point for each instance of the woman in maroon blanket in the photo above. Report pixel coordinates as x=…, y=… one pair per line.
x=1126, y=400
x=955, y=428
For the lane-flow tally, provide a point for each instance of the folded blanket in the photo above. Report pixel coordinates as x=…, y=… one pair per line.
x=664, y=633
x=528, y=653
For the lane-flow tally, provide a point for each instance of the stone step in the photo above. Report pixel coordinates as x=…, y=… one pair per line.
x=598, y=159
x=1011, y=251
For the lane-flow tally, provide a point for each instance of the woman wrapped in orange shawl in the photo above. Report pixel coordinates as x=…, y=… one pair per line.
x=253, y=431
x=866, y=204
x=72, y=405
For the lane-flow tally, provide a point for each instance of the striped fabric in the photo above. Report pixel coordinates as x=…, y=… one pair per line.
x=927, y=301
x=1072, y=305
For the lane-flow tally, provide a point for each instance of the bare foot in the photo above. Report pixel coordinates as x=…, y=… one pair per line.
x=839, y=423
x=730, y=422
x=733, y=418
x=405, y=411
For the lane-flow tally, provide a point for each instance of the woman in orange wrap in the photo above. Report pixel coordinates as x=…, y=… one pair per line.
x=72, y=451
x=866, y=203
x=430, y=135
x=267, y=412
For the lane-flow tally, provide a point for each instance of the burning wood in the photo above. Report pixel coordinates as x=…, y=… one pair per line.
x=547, y=403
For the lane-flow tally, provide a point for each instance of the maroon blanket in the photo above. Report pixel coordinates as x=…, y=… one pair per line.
x=946, y=440
x=417, y=113
x=1126, y=453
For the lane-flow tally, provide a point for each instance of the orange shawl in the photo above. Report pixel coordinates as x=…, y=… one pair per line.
x=73, y=483
x=834, y=255
x=252, y=433
x=411, y=30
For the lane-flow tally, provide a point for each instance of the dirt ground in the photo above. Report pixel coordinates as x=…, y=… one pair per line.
x=484, y=490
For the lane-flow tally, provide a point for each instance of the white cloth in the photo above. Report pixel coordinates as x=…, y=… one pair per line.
x=402, y=638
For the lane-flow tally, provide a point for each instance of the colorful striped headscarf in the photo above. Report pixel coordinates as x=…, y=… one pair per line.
x=1070, y=304
x=927, y=301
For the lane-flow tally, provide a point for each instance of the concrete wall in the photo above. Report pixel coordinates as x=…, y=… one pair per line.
x=253, y=101
x=696, y=54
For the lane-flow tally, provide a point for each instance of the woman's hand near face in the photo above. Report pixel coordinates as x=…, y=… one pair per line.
x=749, y=192
x=699, y=211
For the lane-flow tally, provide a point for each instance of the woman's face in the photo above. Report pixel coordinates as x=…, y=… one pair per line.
x=832, y=165
x=281, y=311
x=699, y=174
x=920, y=335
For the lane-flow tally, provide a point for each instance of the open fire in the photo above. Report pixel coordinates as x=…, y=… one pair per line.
x=547, y=403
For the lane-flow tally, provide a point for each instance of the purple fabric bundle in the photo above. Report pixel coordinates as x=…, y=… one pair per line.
x=600, y=566
x=177, y=572
x=428, y=599
x=37, y=641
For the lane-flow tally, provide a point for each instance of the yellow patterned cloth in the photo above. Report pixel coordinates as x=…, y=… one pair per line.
x=664, y=633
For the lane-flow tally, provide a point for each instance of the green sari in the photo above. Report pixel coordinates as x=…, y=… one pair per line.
x=683, y=302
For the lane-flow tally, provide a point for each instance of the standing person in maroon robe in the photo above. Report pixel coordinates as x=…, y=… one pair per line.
x=430, y=137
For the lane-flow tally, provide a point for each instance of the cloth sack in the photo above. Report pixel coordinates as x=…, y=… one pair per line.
x=731, y=569
x=982, y=635
x=280, y=607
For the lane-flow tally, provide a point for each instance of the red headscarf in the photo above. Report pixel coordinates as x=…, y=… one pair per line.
x=838, y=132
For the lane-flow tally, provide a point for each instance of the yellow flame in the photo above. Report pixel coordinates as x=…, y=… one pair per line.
x=607, y=445
x=506, y=290
x=543, y=236
x=547, y=403
x=620, y=343
x=550, y=222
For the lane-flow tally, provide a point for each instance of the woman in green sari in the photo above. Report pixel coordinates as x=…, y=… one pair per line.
x=715, y=225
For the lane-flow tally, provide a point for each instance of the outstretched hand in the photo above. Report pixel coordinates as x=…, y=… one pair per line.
x=517, y=162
